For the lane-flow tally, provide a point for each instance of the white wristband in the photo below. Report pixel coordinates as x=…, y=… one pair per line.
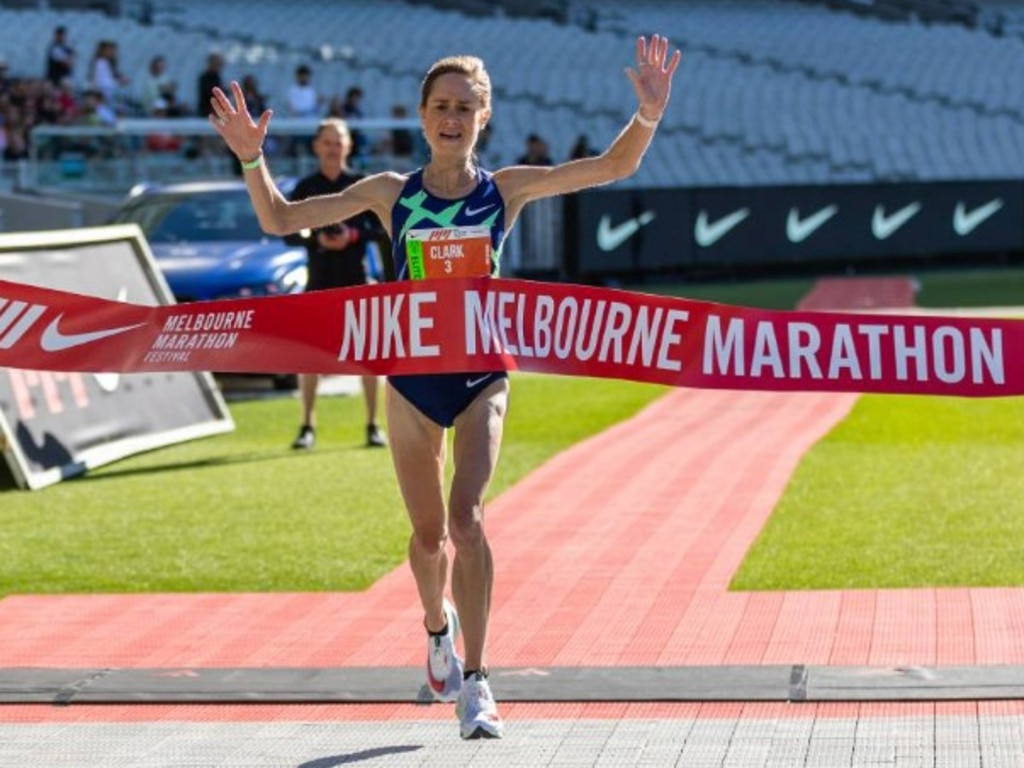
x=652, y=124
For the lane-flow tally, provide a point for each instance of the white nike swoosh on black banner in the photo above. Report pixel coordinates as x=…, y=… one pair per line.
x=798, y=230
x=708, y=233
x=609, y=238
x=965, y=222
x=883, y=226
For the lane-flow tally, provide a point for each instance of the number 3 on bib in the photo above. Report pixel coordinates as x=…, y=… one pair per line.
x=454, y=252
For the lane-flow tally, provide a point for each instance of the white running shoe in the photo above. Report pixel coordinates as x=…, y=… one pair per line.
x=444, y=665
x=476, y=710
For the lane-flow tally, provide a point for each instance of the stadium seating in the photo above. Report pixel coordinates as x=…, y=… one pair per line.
x=770, y=91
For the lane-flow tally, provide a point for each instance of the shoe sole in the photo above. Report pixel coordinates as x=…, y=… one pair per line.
x=482, y=733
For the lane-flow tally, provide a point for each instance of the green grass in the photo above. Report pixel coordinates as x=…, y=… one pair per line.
x=763, y=294
x=972, y=288
x=243, y=512
x=995, y=287
x=906, y=492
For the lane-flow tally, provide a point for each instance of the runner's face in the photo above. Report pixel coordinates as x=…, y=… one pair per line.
x=452, y=116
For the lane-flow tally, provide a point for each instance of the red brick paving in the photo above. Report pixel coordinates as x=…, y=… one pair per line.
x=860, y=293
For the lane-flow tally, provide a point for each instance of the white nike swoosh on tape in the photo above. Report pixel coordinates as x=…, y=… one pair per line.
x=109, y=382
x=475, y=211
x=883, y=226
x=708, y=233
x=965, y=222
x=798, y=230
x=470, y=383
x=609, y=238
x=55, y=341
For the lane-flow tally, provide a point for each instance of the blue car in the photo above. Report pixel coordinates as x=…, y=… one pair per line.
x=208, y=243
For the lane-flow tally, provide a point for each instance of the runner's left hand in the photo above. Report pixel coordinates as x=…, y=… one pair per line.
x=652, y=78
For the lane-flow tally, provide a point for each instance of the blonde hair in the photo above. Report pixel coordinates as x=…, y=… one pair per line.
x=470, y=66
x=333, y=124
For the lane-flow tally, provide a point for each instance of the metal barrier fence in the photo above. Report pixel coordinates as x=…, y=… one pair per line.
x=109, y=160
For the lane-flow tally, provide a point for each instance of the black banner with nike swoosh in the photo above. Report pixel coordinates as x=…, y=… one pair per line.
x=637, y=231
x=630, y=231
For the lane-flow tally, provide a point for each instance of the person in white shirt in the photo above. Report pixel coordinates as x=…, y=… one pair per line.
x=303, y=99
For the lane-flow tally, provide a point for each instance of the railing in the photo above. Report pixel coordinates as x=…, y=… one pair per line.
x=111, y=160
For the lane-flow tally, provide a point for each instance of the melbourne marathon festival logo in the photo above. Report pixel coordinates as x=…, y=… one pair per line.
x=185, y=333
x=182, y=332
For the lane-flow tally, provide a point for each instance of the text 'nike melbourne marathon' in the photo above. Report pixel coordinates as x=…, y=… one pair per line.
x=538, y=325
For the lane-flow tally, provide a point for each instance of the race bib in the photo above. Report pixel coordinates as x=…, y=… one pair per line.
x=452, y=252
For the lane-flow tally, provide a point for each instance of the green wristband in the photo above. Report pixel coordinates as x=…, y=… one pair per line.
x=253, y=164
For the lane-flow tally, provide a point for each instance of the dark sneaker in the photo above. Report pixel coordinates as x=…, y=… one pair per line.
x=375, y=437
x=306, y=438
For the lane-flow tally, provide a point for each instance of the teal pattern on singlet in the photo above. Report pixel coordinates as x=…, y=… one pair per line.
x=418, y=209
x=443, y=396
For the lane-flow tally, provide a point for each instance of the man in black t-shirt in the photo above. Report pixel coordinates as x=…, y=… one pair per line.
x=337, y=259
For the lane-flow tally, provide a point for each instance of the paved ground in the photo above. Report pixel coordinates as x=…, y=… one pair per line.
x=617, y=553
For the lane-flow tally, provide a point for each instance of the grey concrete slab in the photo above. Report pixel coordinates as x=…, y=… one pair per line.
x=389, y=684
x=554, y=684
x=907, y=742
x=973, y=683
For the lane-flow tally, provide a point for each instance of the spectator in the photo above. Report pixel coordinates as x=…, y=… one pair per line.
x=96, y=113
x=399, y=143
x=302, y=100
x=158, y=86
x=5, y=83
x=257, y=103
x=48, y=107
x=209, y=79
x=254, y=98
x=536, y=152
x=337, y=258
x=161, y=140
x=336, y=107
x=67, y=102
x=582, y=148
x=60, y=57
x=16, y=141
x=104, y=74
x=96, y=110
x=352, y=109
x=302, y=97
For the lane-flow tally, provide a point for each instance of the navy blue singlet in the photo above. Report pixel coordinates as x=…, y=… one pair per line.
x=443, y=396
